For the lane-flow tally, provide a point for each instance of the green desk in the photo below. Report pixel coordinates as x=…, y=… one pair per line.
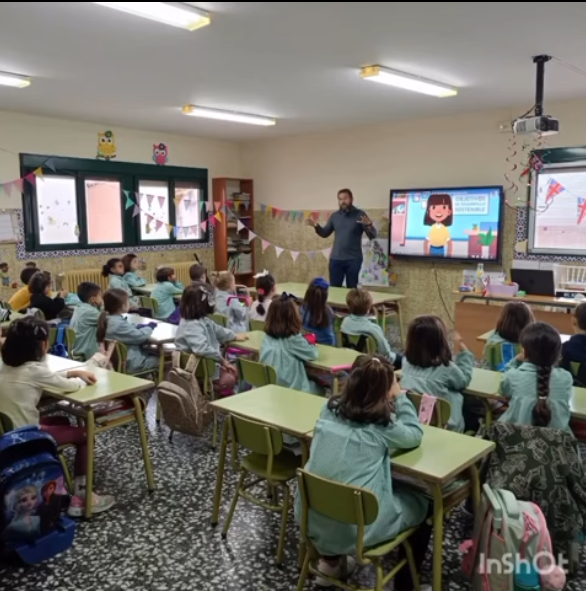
x=110, y=386
x=58, y=364
x=383, y=302
x=329, y=359
x=483, y=338
x=145, y=290
x=291, y=411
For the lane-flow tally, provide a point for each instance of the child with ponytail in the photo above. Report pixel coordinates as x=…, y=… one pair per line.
x=318, y=318
x=266, y=288
x=539, y=391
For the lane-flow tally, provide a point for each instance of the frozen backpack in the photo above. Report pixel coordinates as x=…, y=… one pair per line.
x=184, y=406
x=33, y=497
x=511, y=548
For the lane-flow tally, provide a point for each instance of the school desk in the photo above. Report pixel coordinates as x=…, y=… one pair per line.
x=329, y=361
x=385, y=303
x=290, y=411
x=473, y=318
x=163, y=334
x=13, y=316
x=110, y=386
x=57, y=364
x=483, y=338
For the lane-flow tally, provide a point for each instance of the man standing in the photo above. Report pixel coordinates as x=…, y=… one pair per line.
x=348, y=223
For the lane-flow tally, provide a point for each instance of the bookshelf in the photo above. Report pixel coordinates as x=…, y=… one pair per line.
x=232, y=250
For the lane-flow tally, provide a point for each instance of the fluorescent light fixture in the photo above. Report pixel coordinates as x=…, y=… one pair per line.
x=176, y=14
x=406, y=81
x=206, y=113
x=14, y=80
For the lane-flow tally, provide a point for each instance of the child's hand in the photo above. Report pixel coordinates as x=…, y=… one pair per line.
x=395, y=389
x=86, y=376
x=459, y=342
x=63, y=294
x=152, y=324
x=242, y=337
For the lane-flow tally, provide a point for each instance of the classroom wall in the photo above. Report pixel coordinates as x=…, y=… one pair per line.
x=41, y=135
x=305, y=172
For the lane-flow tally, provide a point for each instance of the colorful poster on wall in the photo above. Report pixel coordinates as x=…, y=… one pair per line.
x=375, y=265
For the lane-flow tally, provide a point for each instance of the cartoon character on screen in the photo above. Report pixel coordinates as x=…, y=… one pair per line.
x=439, y=214
x=106, y=145
x=160, y=154
x=24, y=524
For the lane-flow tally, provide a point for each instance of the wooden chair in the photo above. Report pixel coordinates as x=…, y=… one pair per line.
x=353, y=506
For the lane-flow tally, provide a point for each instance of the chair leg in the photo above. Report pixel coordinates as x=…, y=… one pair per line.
x=412, y=566
x=68, y=479
x=283, y=537
x=380, y=577
x=215, y=434
x=159, y=411
x=304, y=572
x=171, y=433
x=233, y=505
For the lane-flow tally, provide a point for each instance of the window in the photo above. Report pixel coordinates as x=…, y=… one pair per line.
x=79, y=204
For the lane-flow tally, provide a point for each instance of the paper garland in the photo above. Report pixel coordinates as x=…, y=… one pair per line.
x=293, y=215
x=18, y=185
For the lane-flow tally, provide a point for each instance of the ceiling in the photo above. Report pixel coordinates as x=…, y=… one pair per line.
x=296, y=61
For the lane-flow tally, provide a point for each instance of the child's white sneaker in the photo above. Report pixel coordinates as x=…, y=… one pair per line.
x=100, y=503
x=334, y=571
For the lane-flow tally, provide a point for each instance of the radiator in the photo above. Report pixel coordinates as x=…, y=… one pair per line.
x=70, y=280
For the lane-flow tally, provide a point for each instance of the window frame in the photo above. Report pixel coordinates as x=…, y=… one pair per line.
x=129, y=175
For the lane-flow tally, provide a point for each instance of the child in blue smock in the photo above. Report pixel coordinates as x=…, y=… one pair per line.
x=318, y=317
x=85, y=320
x=130, y=262
x=114, y=270
x=539, y=393
x=165, y=292
x=360, y=322
x=353, y=441
x=197, y=333
x=114, y=326
x=229, y=305
x=514, y=317
x=428, y=367
x=285, y=348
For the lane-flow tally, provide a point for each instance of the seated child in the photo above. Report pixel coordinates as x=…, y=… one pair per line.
x=428, y=367
x=353, y=440
x=23, y=377
x=85, y=320
x=165, y=292
x=359, y=302
x=229, y=305
x=113, y=326
x=266, y=288
x=114, y=270
x=40, y=288
x=285, y=348
x=317, y=316
x=574, y=350
x=198, y=273
x=200, y=335
x=130, y=262
x=539, y=392
x=22, y=298
x=514, y=317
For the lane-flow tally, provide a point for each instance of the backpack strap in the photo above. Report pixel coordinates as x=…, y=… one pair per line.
x=192, y=363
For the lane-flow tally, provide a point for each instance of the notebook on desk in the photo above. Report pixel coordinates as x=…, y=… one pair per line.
x=534, y=281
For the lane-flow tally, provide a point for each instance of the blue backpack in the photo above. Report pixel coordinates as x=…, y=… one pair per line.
x=59, y=349
x=33, y=496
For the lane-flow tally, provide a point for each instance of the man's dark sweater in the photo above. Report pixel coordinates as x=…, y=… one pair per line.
x=348, y=233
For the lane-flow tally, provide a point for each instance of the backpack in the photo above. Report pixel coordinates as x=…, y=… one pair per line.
x=32, y=496
x=511, y=547
x=59, y=348
x=184, y=406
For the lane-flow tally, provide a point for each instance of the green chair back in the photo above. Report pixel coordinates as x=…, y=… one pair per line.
x=205, y=372
x=256, y=374
x=362, y=343
x=341, y=502
x=220, y=319
x=494, y=354
x=579, y=373
x=441, y=412
x=6, y=305
x=6, y=424
x=149, y=304
x=255, y=437
x=119, y=357
x=257, y=325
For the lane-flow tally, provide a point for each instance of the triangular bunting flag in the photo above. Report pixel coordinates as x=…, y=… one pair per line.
x=176, y=231
x=209, y=206
x=286, y=215
x=217, y=205
x=279, y=251
x=158, y=225
x=204, y=226
x=265, y=244
x=194, y=230
x=275, y=212
x=150, y=199
x=39, y=172
x=240, y=226
x=218, y=216
x=307, y=214
x=186, y=202
x=18, y=185
x=251, y=236
x=50, y=164
x=263, y=207
x=327, y=252
x=129, y=201
x=294, y=255
x=150, y=218
x=136, y=211
x=315, y=215
x=161, y=200
x=30, y=178
x=213, y=221
x=178, y=199
x=269, y=209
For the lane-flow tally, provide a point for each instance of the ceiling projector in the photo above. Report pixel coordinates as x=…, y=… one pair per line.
x=539, y=125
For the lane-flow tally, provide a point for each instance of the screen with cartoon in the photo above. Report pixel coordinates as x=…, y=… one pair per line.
x=459, y=224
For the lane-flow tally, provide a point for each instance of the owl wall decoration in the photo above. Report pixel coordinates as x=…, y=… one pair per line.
x=106, y=145
x=160, y=154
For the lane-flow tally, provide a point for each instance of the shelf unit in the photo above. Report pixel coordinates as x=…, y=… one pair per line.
x=232, y=250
